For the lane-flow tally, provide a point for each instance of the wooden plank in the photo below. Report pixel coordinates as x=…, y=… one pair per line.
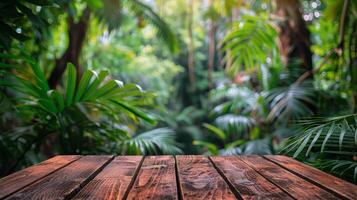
x=113, y=181
x=156, y=179
x=64, y=182
x=200, y=180
x=21, y=179
x=246, y=181
x=290, y=183
x=340, y=187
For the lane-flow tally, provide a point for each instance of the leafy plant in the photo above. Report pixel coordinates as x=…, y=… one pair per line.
x=20, y=18
x=291, y=103
x=250, y=42
x=334, y=135
x=239, y=109
x=96, y=115
x=228, y=146
x=333, y=140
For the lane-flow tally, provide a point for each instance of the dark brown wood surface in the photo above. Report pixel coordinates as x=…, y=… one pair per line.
x=292, y=184
x=246, y=181
x=64, y=182
x=20, y=179
x=169, y=177
x=156, y=179
x=200, y=180
x=113, y=181
x=334, y=184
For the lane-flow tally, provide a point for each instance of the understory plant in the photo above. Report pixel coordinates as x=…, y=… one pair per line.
x=329, y=144
x=91, y=115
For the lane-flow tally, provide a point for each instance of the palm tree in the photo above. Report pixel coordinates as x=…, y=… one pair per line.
x=109, y=12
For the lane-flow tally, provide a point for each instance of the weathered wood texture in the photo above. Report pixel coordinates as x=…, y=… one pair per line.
x=20, y=179
x=167, y=177
x=113, y=181
x=331, y=183
x=246, y=181
x=287, y=181
x=156, y=179
x=200, y=180
x=64, y=182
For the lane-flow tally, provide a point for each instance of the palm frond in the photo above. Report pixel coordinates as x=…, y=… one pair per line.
x=241, y=147
x=156, y=141
x=163, y=29
x=250, y=42
x=108, y=12
x=236, y=99
x=334, y=135
x=92, y=115
x=235, y=123
x=290, y=103
x=341, y=168
x=94, y=90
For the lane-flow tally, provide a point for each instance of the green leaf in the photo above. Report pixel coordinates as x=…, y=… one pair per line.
x=83, y=85
x=330, y=132
x=343, y=132
x=135, y=111
x=106, y=88
x=314, y=141
x=302, y=146
x=164, y=31
x=212, y=148
x=57, y=98
x=92, y=89
x=218, y=132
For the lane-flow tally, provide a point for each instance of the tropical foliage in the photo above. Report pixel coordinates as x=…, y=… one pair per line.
x=218, y=77
x=89, y=117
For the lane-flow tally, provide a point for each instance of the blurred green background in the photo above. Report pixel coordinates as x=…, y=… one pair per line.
x=213, y=77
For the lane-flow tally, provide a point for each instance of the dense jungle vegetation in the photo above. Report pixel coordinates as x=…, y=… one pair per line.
x=214, y=77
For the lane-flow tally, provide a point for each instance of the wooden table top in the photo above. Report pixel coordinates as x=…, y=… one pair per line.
x=169, y=177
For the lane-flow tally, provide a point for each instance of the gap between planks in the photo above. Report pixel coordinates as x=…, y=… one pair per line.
x=231, y=186
x=178, y=185
x=135, y=175
x=334, y=185
x=265, y=167
x=87, y=180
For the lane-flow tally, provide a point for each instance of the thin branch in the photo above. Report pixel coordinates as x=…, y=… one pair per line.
x=307, y=74
x=343, y=21
x=338, y=49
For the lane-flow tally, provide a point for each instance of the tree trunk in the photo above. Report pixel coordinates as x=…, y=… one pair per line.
x=233, y=16
x=294, y=37
x=211, y=52
x=191, y=59
x=76, y=35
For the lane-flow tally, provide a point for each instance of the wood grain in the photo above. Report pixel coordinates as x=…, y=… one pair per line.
x=160, y=177
x=156, y=179
x=113, y=181
x=20, y=179
x=246, y=181
x=200, y=180
x=290, y=183
x=342, y=188
x=64, y=182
